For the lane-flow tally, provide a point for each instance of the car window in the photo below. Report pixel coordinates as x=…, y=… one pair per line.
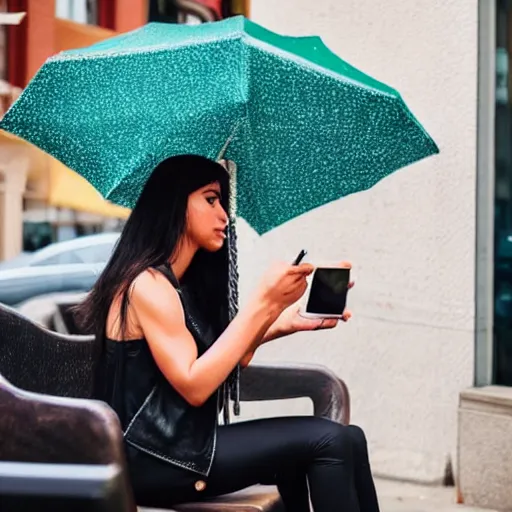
x=95, y=253
x=63, y=258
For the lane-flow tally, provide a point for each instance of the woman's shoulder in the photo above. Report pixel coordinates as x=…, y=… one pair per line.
x=152, y=290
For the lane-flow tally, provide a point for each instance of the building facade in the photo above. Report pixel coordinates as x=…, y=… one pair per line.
x=41, y=201
x=428, y=353
x=410, y=348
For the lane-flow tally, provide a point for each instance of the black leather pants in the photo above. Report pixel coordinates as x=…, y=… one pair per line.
x=306, y=457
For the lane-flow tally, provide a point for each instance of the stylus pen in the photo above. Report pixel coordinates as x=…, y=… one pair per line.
x=300, y=257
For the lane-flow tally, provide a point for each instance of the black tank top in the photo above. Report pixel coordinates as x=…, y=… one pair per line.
x=154, y=417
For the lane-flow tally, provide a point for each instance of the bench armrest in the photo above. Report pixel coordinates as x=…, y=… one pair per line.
x=329, y=394
x=41, y=429
x=36, y=486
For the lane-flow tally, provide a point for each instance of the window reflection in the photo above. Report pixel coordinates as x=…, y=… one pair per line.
x=80, y=11
x=503, y=198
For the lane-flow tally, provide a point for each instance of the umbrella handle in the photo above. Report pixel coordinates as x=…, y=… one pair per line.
x=231, y=168
x=232, y=386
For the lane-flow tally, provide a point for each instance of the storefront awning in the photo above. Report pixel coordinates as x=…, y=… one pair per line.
x=51, y=182
x=67, y=189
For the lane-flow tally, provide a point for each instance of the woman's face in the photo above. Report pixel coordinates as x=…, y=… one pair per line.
x=206, y=218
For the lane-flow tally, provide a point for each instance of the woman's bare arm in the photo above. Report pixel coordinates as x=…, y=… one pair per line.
x=159, y=312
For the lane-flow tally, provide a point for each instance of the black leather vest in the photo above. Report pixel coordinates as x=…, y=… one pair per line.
x=154, y=416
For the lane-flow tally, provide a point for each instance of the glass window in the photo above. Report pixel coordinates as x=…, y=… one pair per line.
x=99, y=253
x=81, y=11
x=37, y=235
x=503, y=198
x=63, y=258
x=162, y=11
x=95, y=253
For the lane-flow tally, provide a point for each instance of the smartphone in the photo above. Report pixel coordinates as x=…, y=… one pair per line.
x=328, y=293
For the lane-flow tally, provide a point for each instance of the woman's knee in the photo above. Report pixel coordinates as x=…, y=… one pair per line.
x=357, y=435
x=333, y=440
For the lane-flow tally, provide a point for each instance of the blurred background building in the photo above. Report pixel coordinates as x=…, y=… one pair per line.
x=431, y=245
x=41, y=201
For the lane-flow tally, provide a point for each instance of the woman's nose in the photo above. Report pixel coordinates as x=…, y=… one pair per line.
x=224, y=216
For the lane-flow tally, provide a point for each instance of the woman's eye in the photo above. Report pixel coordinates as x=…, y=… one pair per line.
x=211, y=200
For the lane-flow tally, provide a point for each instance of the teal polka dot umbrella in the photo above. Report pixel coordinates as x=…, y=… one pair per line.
x=297, y=126
x=303, y=126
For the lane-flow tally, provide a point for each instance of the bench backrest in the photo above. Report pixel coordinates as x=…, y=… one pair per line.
x=36, y=359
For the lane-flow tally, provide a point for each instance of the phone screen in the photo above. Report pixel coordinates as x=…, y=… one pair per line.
x=328, y=294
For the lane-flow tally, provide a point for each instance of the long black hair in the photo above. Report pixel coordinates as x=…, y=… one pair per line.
x=151, y=236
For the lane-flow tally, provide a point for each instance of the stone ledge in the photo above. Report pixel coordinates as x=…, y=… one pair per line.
x=485, y=447
x=489, y=399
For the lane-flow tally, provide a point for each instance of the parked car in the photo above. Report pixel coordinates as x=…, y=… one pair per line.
x=70, y=266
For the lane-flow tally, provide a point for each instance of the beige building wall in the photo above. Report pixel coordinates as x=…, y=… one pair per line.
x=11, y=213
x=409, y=349
x=15, y=165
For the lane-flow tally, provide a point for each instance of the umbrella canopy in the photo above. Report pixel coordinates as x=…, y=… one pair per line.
x=303, y=126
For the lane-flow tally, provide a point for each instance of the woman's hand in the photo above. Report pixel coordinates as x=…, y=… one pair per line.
x=290, y=320
x=283, y=285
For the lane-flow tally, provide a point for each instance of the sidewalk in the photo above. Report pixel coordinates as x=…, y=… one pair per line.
x=405, y=497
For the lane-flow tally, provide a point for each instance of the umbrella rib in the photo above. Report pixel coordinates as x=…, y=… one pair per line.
x=305, y=63
x=222, y=152
x=113, y=52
